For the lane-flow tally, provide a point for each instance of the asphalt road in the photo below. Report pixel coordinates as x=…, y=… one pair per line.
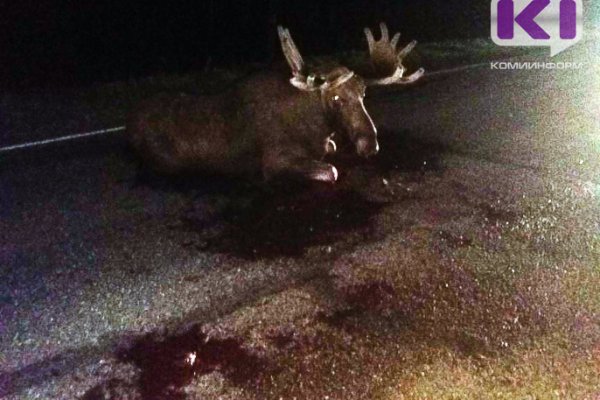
x=93, y=256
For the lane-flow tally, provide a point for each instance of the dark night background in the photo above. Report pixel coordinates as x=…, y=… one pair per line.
x=75, y=42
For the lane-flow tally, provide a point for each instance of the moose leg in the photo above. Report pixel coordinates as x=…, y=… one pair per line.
x=303, y=167
x=317, y=171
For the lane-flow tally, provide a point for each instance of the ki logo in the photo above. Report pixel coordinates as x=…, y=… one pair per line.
x=557, y=24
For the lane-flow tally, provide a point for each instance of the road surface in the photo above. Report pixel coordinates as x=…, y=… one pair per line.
x=247, y=291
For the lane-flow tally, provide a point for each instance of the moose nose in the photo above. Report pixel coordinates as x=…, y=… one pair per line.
x=366, y=147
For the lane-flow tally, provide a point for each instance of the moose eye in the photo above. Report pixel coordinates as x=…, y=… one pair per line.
x=336, y=98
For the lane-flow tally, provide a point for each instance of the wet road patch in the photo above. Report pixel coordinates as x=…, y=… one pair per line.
x=273, y=223
x=168, y=364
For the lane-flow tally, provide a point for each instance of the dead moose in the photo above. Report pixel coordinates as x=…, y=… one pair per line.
x=269, y=123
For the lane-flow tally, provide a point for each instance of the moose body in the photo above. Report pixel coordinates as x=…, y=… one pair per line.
x=264, y=124
x=261, y=125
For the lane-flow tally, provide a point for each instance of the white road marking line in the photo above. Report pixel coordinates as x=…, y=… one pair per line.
x=60, y=139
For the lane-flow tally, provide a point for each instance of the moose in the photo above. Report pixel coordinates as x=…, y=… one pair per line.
x=268, y=123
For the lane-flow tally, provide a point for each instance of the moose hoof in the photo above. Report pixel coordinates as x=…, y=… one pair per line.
x=326, y=175
x=330, y=147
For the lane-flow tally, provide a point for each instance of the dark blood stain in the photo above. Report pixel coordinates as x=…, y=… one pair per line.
x=370, y=296
x=455, y=241
x=113, y=389
x=194, y=278
x=495, y=214
x=469, y=345
x=167, y=365
x=341, y=319
x=290, y=339
x=285, y=221
x=282, y=338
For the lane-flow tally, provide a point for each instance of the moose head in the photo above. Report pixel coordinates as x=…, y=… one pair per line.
x=342, y=91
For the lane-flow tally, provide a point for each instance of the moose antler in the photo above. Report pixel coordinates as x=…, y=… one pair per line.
x=387, y=59
x=301, y=78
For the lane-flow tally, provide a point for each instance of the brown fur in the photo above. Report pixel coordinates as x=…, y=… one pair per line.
x=264, y=124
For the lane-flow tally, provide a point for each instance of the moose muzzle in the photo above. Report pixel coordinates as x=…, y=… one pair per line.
x=367, y=146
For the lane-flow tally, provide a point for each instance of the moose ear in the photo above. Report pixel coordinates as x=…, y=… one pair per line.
x=290, y=51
